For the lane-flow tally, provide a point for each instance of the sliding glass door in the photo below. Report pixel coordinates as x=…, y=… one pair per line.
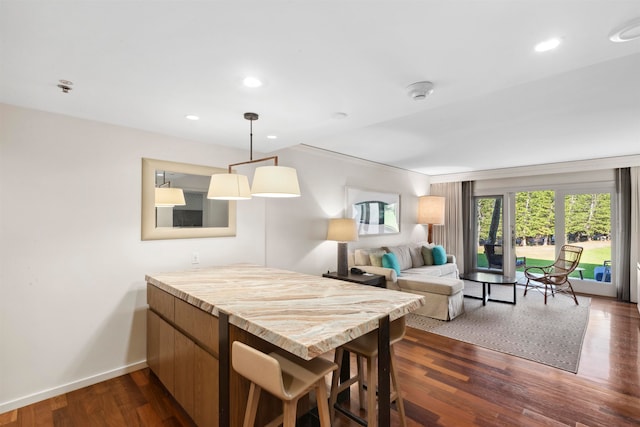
x=489, y=228
x=495, y=250
x=588, y=222
x=535, y=227
x=515, y=230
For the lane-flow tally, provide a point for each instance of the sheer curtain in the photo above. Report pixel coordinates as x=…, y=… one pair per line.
x=450, y=234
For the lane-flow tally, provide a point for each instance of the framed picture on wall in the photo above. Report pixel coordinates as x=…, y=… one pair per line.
x=375, y=212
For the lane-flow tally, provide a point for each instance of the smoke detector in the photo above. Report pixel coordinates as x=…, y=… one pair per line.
x=65, y=85
x=419, y=90
x=629, y=31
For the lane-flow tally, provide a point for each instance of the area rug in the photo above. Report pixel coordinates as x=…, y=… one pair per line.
x=551, y=334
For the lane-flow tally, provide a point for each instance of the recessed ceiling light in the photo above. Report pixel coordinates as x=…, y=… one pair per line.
x=547, y=45
x=272, y=137
x=251, y=82
x=191, y=117
x=629, y=31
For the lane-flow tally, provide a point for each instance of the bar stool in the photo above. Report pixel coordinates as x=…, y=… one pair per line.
x=366, y=347
x=283, y=378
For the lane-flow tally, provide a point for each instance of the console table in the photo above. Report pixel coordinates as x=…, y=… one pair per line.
x=194, y=316
x=369, y=279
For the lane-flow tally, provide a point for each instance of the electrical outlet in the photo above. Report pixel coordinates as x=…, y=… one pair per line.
x=195, y=258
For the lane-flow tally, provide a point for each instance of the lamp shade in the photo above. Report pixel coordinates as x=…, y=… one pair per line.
x=431, y=210
x=228, y=186
x=275, y=181
x=169, y=197
x=342, y=230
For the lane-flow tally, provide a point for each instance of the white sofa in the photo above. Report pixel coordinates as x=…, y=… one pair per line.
x=440, y=284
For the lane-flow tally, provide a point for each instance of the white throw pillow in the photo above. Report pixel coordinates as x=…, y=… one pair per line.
x=361, y=257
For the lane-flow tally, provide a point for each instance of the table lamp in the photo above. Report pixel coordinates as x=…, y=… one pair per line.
x=342, y=230
x=430, y=212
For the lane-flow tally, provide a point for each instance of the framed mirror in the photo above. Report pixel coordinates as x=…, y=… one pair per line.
x=375, y=212
x=195, y=216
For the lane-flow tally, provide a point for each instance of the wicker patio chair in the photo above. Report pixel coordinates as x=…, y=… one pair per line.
x=555, y=277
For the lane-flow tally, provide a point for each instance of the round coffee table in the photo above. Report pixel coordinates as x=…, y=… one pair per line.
x=488, y=279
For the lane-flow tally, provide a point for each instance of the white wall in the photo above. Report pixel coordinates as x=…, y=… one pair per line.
x=297, y=228
x=72, y=265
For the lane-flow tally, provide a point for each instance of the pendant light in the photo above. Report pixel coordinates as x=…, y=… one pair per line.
x=268, y=181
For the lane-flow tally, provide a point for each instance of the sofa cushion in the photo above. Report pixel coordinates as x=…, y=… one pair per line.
x=445, y=270
x=439, y=255
x=431, y=270
x=416, y=256
x=427, y=255
x=434, y=285
x=403, y=255
x=389, y=260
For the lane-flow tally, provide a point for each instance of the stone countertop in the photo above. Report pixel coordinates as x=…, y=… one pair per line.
x=303, y=314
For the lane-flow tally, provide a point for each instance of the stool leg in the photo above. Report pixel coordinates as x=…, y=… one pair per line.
x=372, y=414
x=323, y=407
x=361, y=383
x=290, y=408
x=335, y=378
x=399, y=401
x=252, y=405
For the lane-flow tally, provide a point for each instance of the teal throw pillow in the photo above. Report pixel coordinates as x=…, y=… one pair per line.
x=389, y=260
x=439, y=255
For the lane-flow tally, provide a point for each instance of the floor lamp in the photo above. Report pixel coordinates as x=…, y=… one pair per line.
x=431, y=212
x=342, y=230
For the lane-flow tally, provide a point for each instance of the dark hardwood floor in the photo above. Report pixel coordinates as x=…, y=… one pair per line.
x=445, y=383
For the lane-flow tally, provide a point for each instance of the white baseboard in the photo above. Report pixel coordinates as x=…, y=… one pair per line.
x=66, y=388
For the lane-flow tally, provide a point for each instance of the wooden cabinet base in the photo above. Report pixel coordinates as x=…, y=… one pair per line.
x=180, y=352
x=183, y=345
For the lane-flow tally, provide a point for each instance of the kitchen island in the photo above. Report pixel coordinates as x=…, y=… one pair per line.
x=195, y=315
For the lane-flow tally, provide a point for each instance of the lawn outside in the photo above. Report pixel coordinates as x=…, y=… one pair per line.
x=593, y=255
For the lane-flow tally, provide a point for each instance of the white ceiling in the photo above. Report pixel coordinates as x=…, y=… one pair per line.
x=497, y=103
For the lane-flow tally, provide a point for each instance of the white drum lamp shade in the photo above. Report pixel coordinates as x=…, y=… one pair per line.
x=275, y=181
x=342, y=230
x=431, y=212
x=169, y=197
x=228, y=186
